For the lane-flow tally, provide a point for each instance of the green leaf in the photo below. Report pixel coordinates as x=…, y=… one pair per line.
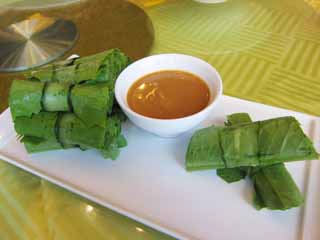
x=41, y=125
x=73, y=131
x=275, y=188
x=25, y=98
x=204, y=150
x=65, y=75
x=101, y=67
x=238, y=118
x=43, y=74
x=121, y=141
x=111, y=152
x=240, y=145
x=91, y=103
x=55, y=97
x=283, y=140
x=34, y=144
x=231, y=175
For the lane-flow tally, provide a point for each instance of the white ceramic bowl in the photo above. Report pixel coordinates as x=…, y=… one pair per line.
x=170, y=127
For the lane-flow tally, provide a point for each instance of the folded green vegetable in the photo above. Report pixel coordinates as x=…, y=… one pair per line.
x=273, y=185
x=73, y=131
x=231, y=175
x=34, y=145
x=101, y=67
x=204, y=151
x=49, y=131
x=25, y=98
x=275, y=188
x=41, y=125
x=55, y=97
x=253, y=144
x=90, y=102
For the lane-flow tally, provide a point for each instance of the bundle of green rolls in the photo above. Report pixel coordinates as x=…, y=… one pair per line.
x=257, y=150
x=71, y=104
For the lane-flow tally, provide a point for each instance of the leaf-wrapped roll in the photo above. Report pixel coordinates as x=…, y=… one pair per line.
x=25, y=98
x=41, y=125
x=73, y=131
x=274, y=187
x=204, y=150
x=251, y=144
x=34, y=145
x=101, y=67
x=91, y=103
x=55, y=97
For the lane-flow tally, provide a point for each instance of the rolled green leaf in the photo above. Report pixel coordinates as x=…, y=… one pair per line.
x=240, y=145
x=273, y=185
x=111, y=67
x=275, y=188
x=25, y=98
x=65, y=75
x=55, y=97
x=91, y=103
x=238, y=118
x=34, y=144
x=204, y=150
x=41, y=125
x=114, y=140
x=260, y=143
x=43, y=74
x=282, y=140
x=231, y=175
x=101, y=67
x=73, y=131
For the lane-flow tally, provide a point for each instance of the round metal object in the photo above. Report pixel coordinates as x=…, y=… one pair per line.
x=35, y=41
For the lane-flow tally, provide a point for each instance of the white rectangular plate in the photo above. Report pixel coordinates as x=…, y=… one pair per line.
x=148, y=182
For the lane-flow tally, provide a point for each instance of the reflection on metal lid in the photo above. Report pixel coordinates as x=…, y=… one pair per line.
x=35, y=41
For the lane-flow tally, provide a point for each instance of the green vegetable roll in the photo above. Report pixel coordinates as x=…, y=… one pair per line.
x=34, y=144
x=101, y=67
x=253, y=144
x=65, y=75
x=204, y=150
x=113, y=138
x=25, y=98
x=72, y=131
x=273, y=185
x=41, y=125
x=43, y=74
x=282, y=140
x=86, y=71
x=231, y=175
x=275, y=188
x=240, y=145
x=55, y=97
x=91, y=103
x=111, y=67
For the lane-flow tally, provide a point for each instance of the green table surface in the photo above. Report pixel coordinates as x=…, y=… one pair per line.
x=266, y=51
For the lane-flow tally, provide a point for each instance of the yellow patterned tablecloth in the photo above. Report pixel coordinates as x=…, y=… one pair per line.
x=266, y=51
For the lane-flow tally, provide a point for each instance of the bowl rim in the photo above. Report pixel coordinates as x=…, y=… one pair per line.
x=204, y=110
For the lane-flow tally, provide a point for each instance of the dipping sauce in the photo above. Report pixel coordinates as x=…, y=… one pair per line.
x=168, y=95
